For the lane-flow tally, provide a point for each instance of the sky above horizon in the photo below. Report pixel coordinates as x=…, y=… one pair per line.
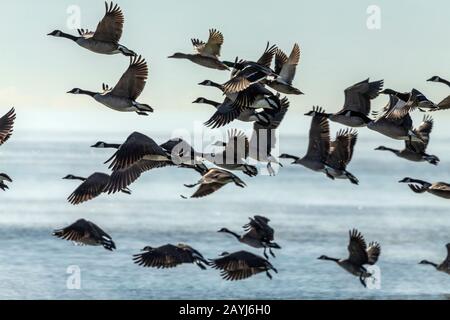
x=337, y=47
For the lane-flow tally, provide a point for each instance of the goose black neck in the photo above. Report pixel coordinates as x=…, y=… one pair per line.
x=68, y=36
x=78, y=178
x=88, y=93
x=212, y=103
x=112, y=145
x=390, y=149
x=233, y=234
x=430, y=263
x=330, y=259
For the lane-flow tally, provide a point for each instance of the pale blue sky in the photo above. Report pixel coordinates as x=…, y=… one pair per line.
x=337, y=51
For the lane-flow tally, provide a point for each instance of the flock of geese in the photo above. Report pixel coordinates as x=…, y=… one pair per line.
x=252, y=94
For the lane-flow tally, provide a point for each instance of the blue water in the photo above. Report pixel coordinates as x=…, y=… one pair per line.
x=310, y=213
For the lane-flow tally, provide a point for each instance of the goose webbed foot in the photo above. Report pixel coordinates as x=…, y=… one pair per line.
x=362, y=279
x=265, y=254
x=328, y=174
x=269, y=275
x=271, y=253
x=183, y=197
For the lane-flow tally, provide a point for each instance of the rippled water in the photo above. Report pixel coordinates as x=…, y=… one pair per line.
x=310, y=213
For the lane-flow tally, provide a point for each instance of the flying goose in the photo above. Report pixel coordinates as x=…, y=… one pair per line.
x=91, y=187
x=123, y=96
x=444, y=104
x=213, y=180
x=247, y=73
x=439, y=189
x=87, y=233
x=105, y=39
x=357, y=104
x=207, y=54
x=241, y=265
x=325, y=156
x=169, y=256
x=285, y=69
x=359, y=255
x=258, y=235
x=395, y=121
x=415, y=151
x=444, y=266
x=234, y=155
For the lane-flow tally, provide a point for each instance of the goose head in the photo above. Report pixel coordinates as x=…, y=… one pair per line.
x=323, y=257
x=177, y=55
x=75, y=91
x=147, y=248
x=56, y=33
x=435, y=79
x=388, y=91
x=223, y=230
x=70, y=177
x=223, y=254
x=199, y=100
x=381, y=148
x=406, y=180
x=207, y=83
x=99, y=144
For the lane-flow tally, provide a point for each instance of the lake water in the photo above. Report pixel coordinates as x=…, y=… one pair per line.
x=310, y=213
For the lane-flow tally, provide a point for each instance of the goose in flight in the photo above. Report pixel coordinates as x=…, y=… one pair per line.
x=213, y=180
x=241, y=265
x=105, y=39
x=258, y=234
x=285, y=68
x=357, y=104
x=444, y=266
x=439, y=189
x=359, y=255
x=234, y=154
x=169, y=256
x=6, y=130
x=444, y=104
x=91, y=187
x=415, y=150
x=246, y=73
x=324, y=155
x=87, y=233
x=123, y=96
x=394, y=121
x=206, y=54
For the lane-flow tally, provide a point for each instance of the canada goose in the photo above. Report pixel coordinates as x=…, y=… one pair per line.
x=394, y=121
x=105, y=39
x=247, y=73
x=213, y=180
x=91, y=187
x=4, y=177
x=341, y=152
x=123, y=96
x=258, y=235
x=359, y=255
x=241, y=265
x=7, y=125
x=234, y=155
x=415, y=151
x=87, y=233
x=285, y=69
x=357, y=104
x=440, y=189
x=227, y=112
x=207, y=54
x=444, y=104
x=444, y=266
x=169, y=256
x=319, y=143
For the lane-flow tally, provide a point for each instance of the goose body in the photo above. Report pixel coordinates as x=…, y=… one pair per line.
x=207, y=54
x=123, y=96
x=359, y=255
x=87, y=233
x=241, y=265
x=439, y=189
x=169, y=256
x=443, y=266
x=105, y=39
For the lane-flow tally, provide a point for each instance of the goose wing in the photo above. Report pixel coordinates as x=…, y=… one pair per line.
x=225, y=113
x=280, y=60
x=133, y=81
x=85, y=33
x=267, y=57
x=319, y=138
x=444, y=104
x=6, y=125
x=341, y=149
x=442, y=186
x=123, y=178
x=135, y=148
x=75, y=232
x=89, y=189
x=287, y=72
x=358, y=96
x=168, y=256
x=239, y=265
x=357, y=248
x=373, y=252
x=110, y=27
x=259, y=226
x=212, y=47
x=423, y=131
x=206, y=189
